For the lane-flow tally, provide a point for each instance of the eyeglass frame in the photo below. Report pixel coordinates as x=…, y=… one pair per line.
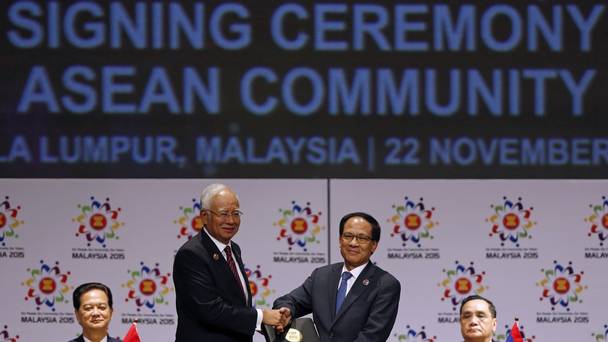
x=224, y=215
x=362, y=239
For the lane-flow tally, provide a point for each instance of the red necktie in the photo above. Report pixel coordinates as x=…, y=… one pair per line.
x=232, y=266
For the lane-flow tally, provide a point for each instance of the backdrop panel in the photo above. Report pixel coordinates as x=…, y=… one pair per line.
x=57, y=234
x=535, y=247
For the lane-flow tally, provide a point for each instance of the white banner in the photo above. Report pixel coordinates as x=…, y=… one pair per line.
x=536, y=248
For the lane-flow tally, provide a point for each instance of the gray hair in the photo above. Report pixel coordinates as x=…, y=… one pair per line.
x=210, y=191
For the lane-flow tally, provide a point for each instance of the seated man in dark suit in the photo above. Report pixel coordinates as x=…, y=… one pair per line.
x=477, y=319
x=350, y=301
x=93, y=310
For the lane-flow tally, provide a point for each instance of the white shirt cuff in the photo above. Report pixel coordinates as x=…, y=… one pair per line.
x=258, y=323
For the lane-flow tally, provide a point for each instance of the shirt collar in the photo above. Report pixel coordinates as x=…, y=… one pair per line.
x=355, y=271
x=105, y=339
x=219, y=245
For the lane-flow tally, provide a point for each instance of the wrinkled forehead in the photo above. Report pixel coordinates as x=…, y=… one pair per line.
x=357, y=224
x=93, y=296
x=476, y=306
x=225, y=199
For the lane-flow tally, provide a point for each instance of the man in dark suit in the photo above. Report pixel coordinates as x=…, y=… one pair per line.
x=350, y=301
x=93, y=310
x=213, y=297
x=477, y=319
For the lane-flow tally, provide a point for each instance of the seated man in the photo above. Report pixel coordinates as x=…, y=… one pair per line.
x=477, y=319
x=93, y=310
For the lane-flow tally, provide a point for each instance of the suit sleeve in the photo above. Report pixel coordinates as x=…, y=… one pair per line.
x=383, y=312
x=201, y=300
x=299, y=301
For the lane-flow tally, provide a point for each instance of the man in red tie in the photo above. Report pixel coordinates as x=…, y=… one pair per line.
x=213, y=298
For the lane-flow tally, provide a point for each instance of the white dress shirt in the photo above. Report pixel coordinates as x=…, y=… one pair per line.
x=222, y=247
x=355, y=272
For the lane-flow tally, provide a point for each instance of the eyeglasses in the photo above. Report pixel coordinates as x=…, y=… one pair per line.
x=362, y=239
x=224, y=215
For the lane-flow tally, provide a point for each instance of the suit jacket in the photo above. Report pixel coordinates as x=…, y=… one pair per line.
x=210, y=303
x=81, y=339
x=367, y=314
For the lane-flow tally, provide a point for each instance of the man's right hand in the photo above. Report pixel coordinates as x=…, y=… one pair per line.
x=279, y=319
x=275, y=317
x=286, y=314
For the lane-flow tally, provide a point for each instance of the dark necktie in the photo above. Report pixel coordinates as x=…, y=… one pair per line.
x=232, y=266
x=342, y=290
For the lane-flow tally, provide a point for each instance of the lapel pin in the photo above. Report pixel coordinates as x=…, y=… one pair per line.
x=216, y=256
x=365, y=282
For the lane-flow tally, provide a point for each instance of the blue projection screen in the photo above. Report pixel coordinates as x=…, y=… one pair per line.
x=349, y=89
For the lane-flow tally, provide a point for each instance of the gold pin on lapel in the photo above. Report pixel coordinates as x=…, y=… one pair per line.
x=216, y=256
x=365, y=282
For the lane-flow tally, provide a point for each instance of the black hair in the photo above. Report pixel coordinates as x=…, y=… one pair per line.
x=367, y=217
x=478, y=297
x=86, y=287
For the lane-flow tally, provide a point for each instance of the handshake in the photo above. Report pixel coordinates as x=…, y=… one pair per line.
x=279, y=319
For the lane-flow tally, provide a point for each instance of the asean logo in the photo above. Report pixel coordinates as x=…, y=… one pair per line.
x=415, y=335
x=6, y=336
x=189, y=221
x=599, y=220
x=503, y=337
x=47, y=285
x=299, y=226
x=98, y=222
x=561, y=286
x=511, y=221
x=601, y=336
x=148, y=287
x=412, y=221
x=8, y=220
x=460, y=283
x=258, y=284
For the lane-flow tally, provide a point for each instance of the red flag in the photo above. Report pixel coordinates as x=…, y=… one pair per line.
x=515, y=335
x=132, y=335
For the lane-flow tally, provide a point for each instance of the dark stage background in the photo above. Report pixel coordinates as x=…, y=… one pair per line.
x=383, y=89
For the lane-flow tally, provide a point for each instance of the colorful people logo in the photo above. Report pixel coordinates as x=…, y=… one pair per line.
x=190, y=221
x=561, y=286
x=601, y=336
x=47, y=285
x=412, y=222
x=299, y=226
x=148, y=287
x=258, y=284
x=5, y=336
x=98, y=222
x=461, y=282
x=599, y=220
x=511, y=221
x=9, y=220
x=413, y=335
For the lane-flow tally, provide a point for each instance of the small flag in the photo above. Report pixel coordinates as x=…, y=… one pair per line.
x=515, y=334
x=132, y=335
